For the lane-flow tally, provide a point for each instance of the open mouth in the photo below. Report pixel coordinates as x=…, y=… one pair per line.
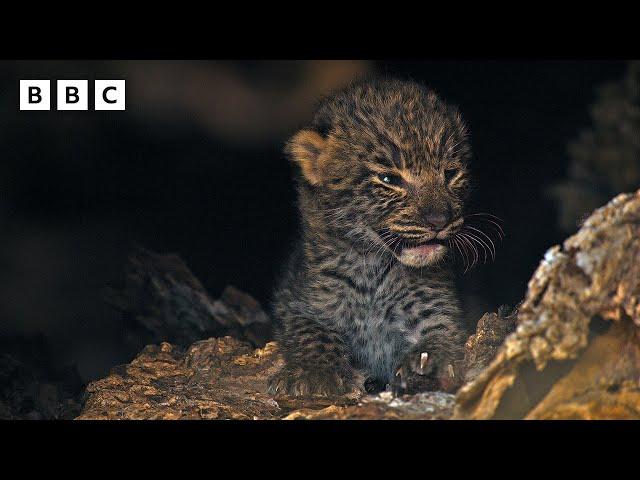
x=402, y=245
x=423, y=248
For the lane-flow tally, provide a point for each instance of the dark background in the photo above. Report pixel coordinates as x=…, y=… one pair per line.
x=195, y=166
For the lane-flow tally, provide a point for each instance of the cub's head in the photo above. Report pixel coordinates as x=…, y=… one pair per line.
x=384, y=164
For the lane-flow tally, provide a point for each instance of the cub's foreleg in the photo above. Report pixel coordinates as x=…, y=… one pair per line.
x=316, y=361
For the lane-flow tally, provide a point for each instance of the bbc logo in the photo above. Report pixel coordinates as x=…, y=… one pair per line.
x=72, y=95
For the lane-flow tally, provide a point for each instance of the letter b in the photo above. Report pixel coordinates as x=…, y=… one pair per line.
x=73, y=95
x=34, y=95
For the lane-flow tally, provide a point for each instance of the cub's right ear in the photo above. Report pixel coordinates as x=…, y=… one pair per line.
x=306, y=148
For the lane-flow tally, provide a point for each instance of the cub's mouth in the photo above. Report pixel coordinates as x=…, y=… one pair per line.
x=415, y=252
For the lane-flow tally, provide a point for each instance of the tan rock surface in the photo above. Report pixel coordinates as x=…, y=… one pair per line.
x=576, y=350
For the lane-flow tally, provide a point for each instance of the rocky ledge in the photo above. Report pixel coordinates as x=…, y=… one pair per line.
x=572, y=349
x=225, y=378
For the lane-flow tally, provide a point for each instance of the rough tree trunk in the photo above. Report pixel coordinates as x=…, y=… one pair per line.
x=575, y=352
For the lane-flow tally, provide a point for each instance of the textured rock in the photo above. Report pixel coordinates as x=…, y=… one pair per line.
x=163, y=301
x=422, y=406
x=216, y=378
x=225, y=378
x=482, y=346
x=576, y=350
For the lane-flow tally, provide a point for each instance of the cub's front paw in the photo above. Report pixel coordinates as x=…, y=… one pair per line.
x=298, y=381
x=425, y=371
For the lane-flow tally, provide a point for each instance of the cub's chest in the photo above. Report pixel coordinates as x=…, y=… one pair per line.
x=378, y=335
x=376, y=308
x=377, y=311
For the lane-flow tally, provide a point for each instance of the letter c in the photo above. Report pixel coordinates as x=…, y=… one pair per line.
x=104, y=95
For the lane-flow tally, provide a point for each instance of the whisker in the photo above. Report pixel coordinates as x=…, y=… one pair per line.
x=476, y=240
x=490, y=246
x=463, y=255
x=495, y=226
x=484, y=242
x=487, y=237
x=468, y=253
x=484, y=214
x=463, y=245
x=472, y=247
x=487, y=217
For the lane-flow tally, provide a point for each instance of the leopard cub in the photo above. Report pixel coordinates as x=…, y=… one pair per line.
x=367, y=300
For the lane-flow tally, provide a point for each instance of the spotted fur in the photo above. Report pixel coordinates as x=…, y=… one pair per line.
x=368, y=291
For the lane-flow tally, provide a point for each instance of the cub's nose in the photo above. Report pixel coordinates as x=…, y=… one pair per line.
x=436, y=219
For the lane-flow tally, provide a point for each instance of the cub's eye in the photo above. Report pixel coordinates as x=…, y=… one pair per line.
x=449, y=174
x=390, y=179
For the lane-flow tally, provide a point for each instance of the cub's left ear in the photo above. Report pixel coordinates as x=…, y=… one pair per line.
x=306, y=148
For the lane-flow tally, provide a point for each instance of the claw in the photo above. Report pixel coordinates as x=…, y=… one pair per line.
x=450, y=370
x=424, y=358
